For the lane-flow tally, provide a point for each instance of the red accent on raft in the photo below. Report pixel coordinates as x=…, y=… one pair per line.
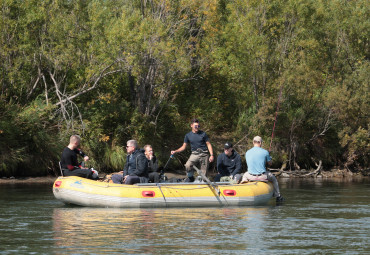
x=57, y=184
x=229, y=192
x=148, y=193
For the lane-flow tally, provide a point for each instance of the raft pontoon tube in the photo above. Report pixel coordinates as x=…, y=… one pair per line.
x=85, y=192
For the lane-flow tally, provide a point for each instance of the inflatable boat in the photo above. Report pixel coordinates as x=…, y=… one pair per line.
x=85, y=192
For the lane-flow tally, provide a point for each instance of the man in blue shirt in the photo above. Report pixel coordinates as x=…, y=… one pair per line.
x=257, y=159
x=200, y=147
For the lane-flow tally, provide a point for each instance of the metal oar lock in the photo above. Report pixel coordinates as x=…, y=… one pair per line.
x=217, y=190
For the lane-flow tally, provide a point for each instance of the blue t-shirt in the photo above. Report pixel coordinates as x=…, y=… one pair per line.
x=256, y=160
x=197, y=140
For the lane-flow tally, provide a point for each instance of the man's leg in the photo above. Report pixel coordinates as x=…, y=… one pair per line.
x=132, y=180
x=238, y=178
x=217, y=177
x=204, y=163
x=85, y=173
x=154, y=177
x=117, y=178
x=248, y=177
x=193, y=160
x=275, y=183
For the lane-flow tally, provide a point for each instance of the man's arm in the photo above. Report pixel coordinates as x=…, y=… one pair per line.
x=141, y=165
x=219, y=163
x=238, y=165
x=268, y=160
x=210, y=149
x=181, y=149
x=125, y=168
x=153, y=164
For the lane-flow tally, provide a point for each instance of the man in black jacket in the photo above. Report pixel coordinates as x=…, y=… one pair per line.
x=152, y=164
x=136, y=167
x=69, y=163
x=229, y=164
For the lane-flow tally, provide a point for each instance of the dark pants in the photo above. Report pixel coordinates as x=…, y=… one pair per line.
x=154, y=177
x=85, y=173
x=118, y=178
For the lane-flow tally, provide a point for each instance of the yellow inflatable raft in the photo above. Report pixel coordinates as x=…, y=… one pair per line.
x=84, y=192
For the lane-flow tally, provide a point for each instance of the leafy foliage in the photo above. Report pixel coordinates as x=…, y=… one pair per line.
x=113, y=71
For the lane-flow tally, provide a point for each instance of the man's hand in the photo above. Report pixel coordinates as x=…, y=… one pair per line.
x=86, y=158
x=173, y=152
x=211, y=158
x=124, y=178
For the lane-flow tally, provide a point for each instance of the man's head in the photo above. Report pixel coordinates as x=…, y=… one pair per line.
x=148, y=150
x=194, y=125
x=257, y=141
x=228, y=148
x=74, y=141
x=131, y=146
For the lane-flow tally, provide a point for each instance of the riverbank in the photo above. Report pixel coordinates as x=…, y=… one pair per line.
x=334, y=173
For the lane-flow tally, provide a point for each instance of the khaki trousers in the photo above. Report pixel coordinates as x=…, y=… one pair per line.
x=268, y=176
x=198, y=159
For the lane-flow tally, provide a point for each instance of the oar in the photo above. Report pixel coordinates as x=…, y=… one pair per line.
x=217, y=195
x=165, y=166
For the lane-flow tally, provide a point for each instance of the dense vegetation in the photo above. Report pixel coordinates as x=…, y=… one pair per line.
x=118, y=70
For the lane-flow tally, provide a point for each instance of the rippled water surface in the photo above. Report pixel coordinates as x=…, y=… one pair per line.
x=319, y=217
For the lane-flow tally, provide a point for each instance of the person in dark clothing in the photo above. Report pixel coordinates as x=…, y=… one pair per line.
x=201, y=150
x=69, y=162
x=229, y=164
x=136, y=167
x=152, y=164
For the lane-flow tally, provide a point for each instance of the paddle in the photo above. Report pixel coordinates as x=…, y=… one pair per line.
x=207, y=180
x=165, y=166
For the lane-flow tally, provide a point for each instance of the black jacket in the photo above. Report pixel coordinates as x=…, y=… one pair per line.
x=227, y=166
x=153, y=164
x=137, y=165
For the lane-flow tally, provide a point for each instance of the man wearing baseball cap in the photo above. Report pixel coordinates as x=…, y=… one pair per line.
x=257, y=158
x=229, y=164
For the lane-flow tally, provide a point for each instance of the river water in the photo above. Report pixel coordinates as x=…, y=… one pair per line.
x=318, y=217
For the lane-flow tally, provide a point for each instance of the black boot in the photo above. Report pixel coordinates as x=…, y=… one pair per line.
x=280, y=199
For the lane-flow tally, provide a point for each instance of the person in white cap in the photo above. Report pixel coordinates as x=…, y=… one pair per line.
x=257, y=158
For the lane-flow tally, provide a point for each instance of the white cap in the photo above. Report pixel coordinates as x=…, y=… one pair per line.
x=257, y=139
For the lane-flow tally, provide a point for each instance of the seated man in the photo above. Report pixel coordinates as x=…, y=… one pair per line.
x=229, y=164
x=152, y=164
x=257, y=158
x=136, y=167
x=69, y=163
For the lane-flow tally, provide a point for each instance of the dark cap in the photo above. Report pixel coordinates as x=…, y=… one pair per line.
x=228, y=145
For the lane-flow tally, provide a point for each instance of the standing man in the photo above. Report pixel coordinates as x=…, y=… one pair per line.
x=257, y=158
x=152, y=164
x=229, y=164
x=136, y=167
x=69, y=163
x=200, y=147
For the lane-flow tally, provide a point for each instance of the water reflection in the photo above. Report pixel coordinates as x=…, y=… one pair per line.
x=324, y=217
x=142, y=230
